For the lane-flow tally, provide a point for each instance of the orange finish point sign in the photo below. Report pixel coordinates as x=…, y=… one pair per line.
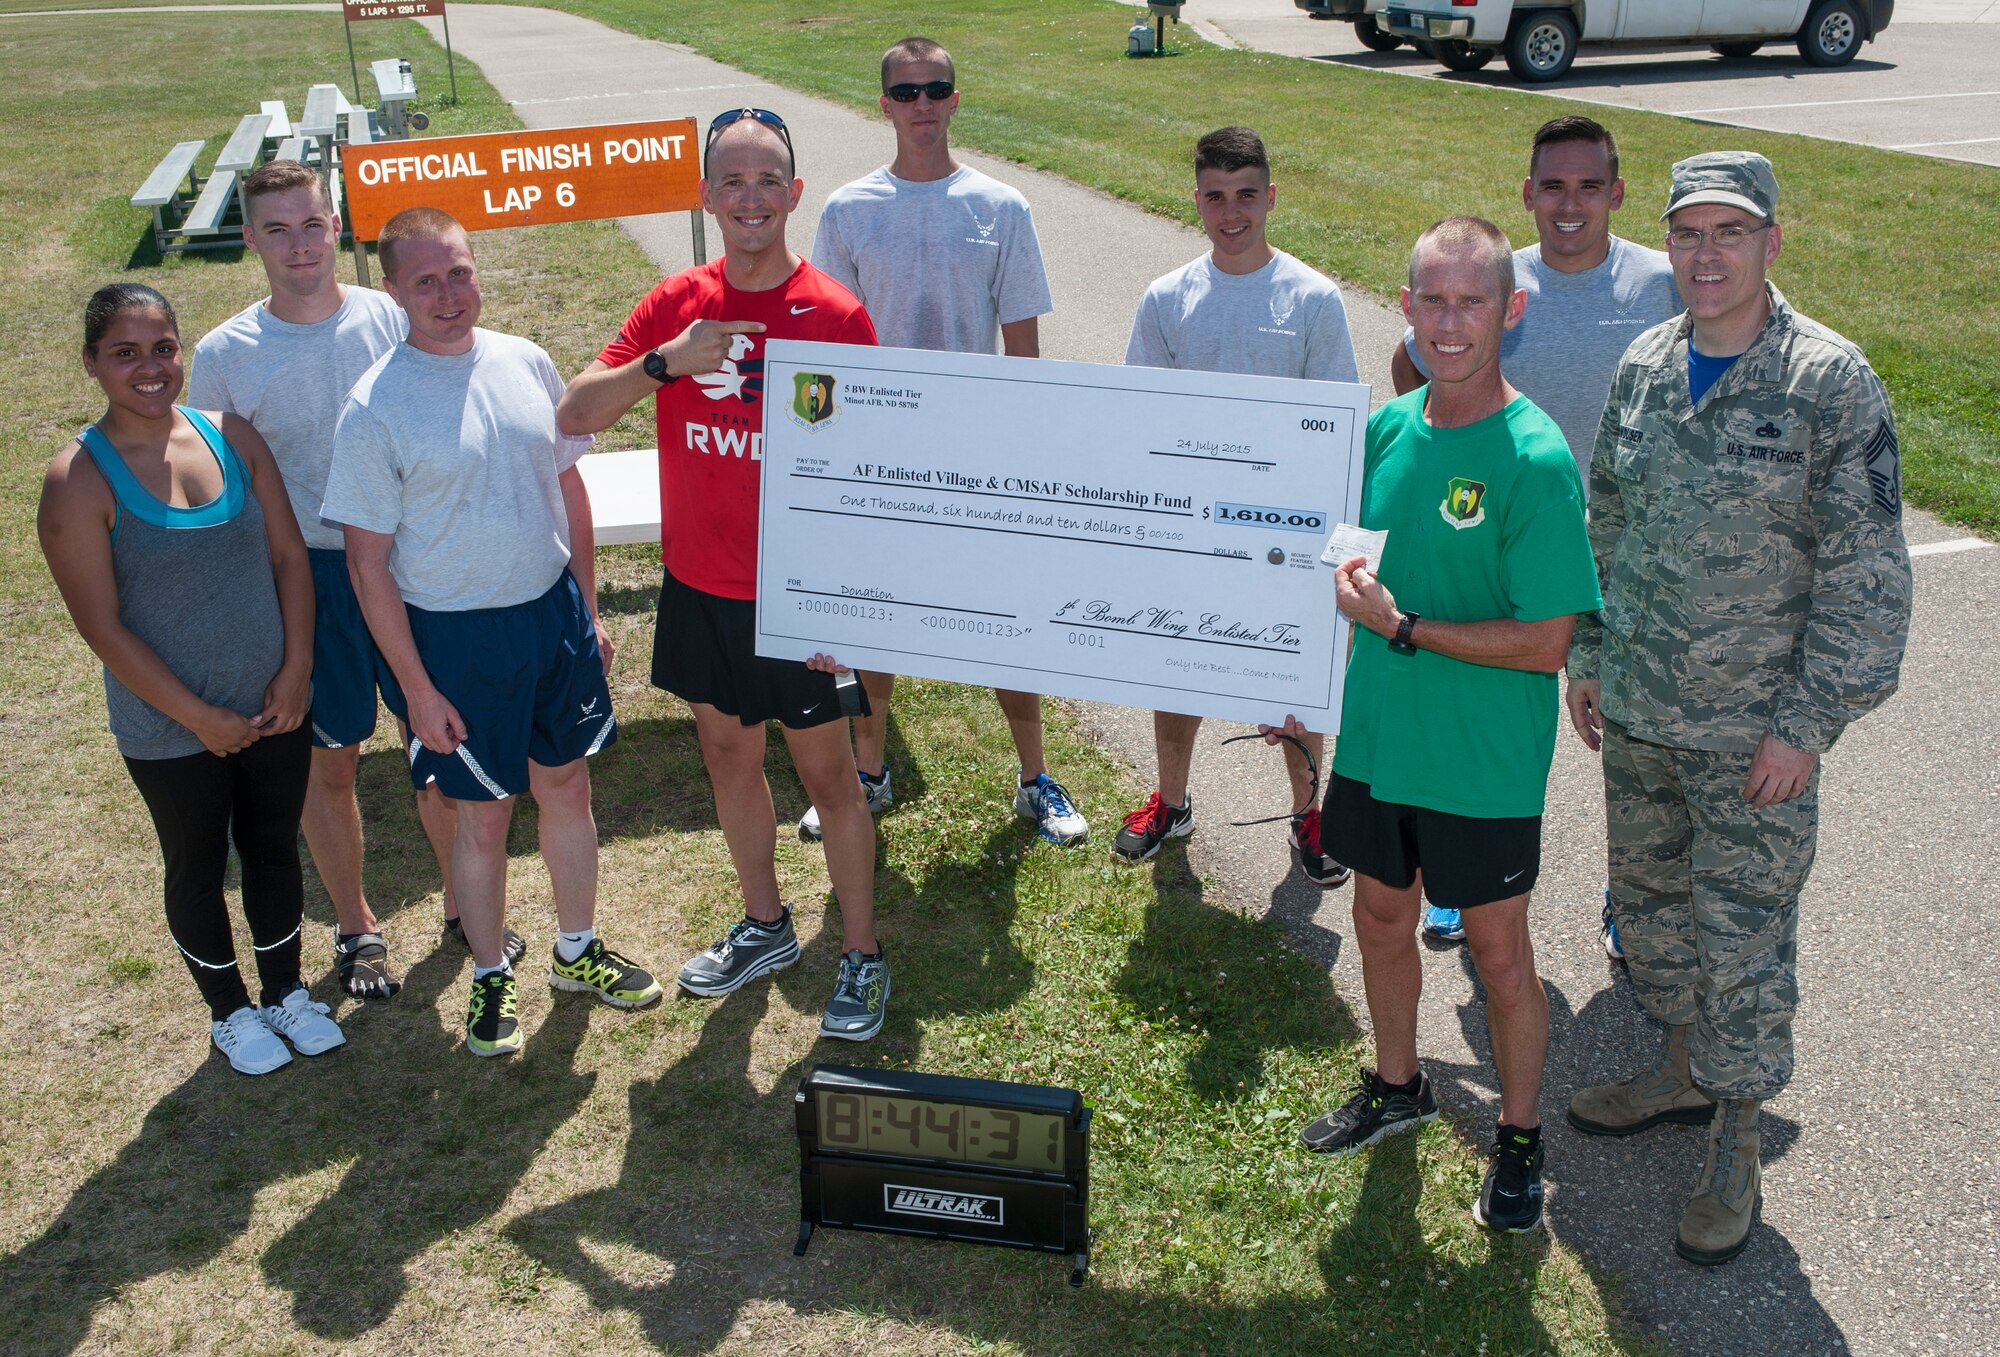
x=527, y=178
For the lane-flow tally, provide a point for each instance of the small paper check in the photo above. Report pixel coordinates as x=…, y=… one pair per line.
x=1349, y=541
x=1139, y=536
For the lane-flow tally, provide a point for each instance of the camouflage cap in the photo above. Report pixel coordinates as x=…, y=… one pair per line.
x=1738, y=178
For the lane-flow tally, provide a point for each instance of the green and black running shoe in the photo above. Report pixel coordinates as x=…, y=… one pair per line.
x=491, y=1024
x=609, y=976
x=1375, y=1111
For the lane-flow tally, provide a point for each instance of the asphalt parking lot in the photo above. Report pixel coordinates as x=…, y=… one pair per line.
x=1929, y=85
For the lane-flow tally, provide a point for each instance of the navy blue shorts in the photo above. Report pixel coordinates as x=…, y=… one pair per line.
x=347, y=668
x=528, y=682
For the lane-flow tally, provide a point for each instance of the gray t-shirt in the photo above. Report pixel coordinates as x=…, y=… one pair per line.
x=288, y=381
x=458, y=455
x=1284, y=320
x=939, y=265
x=1575, y=329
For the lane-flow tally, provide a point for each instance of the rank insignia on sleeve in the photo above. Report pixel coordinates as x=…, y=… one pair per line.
x=1885, y=470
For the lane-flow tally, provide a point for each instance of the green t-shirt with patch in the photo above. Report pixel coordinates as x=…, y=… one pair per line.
x=1484, y=521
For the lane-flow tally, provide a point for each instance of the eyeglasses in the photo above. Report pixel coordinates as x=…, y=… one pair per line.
x=1723, y=237
x=906, y=93
x=1312, y=767
x=736, y=115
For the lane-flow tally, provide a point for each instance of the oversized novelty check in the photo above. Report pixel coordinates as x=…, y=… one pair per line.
x=1130, y=535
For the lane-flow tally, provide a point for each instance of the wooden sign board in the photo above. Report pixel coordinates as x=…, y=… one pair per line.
x=357, y=10
x=527, y=178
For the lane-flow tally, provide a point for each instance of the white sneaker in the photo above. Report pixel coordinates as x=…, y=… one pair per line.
x=1046, y=803
x=252, y=1048
x=304, y=1023
x=880, y=796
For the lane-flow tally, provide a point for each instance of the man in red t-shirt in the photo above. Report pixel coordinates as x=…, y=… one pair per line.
x=696, y=344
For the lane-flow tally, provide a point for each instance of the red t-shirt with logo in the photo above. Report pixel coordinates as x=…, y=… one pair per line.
x=711, y=427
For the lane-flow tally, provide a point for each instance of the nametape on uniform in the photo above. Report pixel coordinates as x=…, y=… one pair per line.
x=1349, y=541
x=357, y=10
x=527, y=178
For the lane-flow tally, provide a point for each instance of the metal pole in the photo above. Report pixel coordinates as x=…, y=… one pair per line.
x=361, y=263
x=352, y=69
x=450, y=63
x=700, y=237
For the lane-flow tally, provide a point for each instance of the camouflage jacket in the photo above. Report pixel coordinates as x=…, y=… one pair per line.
x=1750, y=547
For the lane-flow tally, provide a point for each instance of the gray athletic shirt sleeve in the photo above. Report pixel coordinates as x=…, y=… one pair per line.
x=459, y=458
x=1284, y=320
x=939, y=265
x=1575, y=329
x=289, y=382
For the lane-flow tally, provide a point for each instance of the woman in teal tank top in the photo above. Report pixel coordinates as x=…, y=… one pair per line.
x=173, y=543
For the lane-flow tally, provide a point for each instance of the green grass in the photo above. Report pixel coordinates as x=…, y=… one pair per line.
x=629, y=1182
x=1894, y=251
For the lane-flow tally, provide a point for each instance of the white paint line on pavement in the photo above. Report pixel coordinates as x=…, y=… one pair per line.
x=1834, y=103
x=1969, y=141
x=636, y=94
x=1955, y=544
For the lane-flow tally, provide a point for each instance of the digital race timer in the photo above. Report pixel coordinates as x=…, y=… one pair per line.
x=972, y=1160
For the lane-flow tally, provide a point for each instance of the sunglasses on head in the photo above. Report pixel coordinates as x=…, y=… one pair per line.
x=906, y=93
x=736, y=115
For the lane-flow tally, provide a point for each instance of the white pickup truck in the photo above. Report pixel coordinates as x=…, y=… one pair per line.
x=1539, y=38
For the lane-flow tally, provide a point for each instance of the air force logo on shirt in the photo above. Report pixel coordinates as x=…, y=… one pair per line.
x=984, y=228
x=1281, y=312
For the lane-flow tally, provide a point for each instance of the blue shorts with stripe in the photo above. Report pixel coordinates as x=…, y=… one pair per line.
x=528, y=682
x=347, y=668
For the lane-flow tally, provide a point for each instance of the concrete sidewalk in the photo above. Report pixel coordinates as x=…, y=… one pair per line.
x=1880, y=1234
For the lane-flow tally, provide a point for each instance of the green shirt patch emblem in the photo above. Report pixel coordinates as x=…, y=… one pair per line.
x=1464, y=503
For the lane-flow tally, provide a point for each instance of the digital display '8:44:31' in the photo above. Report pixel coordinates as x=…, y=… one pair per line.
x=911, y=1127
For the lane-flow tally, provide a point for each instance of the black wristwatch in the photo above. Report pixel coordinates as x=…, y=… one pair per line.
x=656, y=367
x=1402, y=644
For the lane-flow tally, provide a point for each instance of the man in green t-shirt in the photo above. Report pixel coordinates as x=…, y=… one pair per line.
x=1448, y=722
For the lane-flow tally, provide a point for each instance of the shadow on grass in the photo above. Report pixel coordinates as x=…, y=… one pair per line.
x=1172, y=968
x=184, y=1188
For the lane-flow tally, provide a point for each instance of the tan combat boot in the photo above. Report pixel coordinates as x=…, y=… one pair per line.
x=1716, y=1225
x=1664, y=1093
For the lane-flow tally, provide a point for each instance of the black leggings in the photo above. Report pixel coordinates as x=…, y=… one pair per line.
x=199, y=803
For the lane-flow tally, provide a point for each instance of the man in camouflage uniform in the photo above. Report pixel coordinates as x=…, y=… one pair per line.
x=1746, y=516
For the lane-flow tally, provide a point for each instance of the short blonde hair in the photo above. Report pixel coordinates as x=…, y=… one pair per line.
x=1469, y=235
x=414, y=223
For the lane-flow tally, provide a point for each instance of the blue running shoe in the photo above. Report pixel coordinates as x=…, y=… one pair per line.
x=1442, y=925
x=1614, y=946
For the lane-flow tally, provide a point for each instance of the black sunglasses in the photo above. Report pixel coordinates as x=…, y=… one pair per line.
x=736, y=115
x=906, y=93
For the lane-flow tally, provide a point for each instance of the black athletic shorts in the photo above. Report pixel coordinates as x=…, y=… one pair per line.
x=705, y=650
x=1466, y=860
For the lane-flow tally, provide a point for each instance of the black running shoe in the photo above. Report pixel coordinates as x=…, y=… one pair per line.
x=492, y=1023
x=1319, y=869
x=1510, y=1200
x=1374, y=1112
x=1150, y=826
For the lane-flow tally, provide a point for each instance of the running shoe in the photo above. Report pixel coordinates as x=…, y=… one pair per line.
x=252, y=1048
x=1374, y=1112
x=512, y=945
x=362, y=960
x=304, y=1023
x=1614, y=946
x=1150, y=826
x=1320, y=869
x=599, y=970
x=880, y=796
x=1510, y=1198
x=1046, y=803
x=748, y=950
x=1442, y=925
x=492, y=1023
x=860, y=999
